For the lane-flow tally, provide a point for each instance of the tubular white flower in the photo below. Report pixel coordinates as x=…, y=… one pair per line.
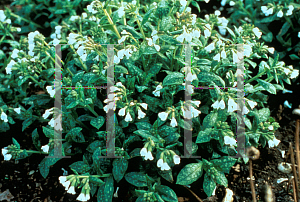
x=176, y=159
x=149, y=156
x=163, y=115
x=183, y=2
x=217, y=13
x=271, y=50
x=50, y=90
x=245, y=110
x=4, y=117
x=271, y=127
x=195, y=112
x=7, y=157
x=217, y=57
x=223, y=54
x=231, y=3
x=45, y=148
x=144, y=105
x=290, y=10
x=223, y=2
x=71, y=190
x=274, y=142
x=143, y=151
x=157, y=90
x=252, y=104
x=287, y=104
x=128, y=117
x=122, y=111
x=90, y=8
x=207, y=33
x=2, y=16
x=280, y=14
x=173, y=122
x=141, y=114
x=121, y=11
x=196, y=102
x=17, y=110
x=247, y=50
x=230, y=141
x=295, y=73
x=160, y=163
x=257, y=32
x=210, y=47
x=232, y=106
x=165, y=166
x=15, y=53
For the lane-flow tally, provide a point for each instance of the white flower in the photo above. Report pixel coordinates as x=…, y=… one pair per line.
x=47, y=113
x=219, y=105
x=252, y=104
x=4, y=117
x=163, y=115
x=184, y=35
x=18, y=110
x=271, y=50
x=128, y=117
x=71, y=190
x=45, y=148
x=229, y=141
x=217, y=57
x=210, y=47
x=51, y=122
x=72, y=38
x=290, y=11
x=267, y=11
x=19, y=29
x=58, y=29
x=157, y=91
x=7, y=157
x=141, y=114
x=217, y=13
x=74, y=17
x=81, y=50
x=90, y=8
x=143, y=151
x=294, y=74
x=298, y=34
x=190, y=88
x=84, y=15
x=195, y=112
x=121, y=11
x=122, y=111
x=83, y=197
x=232, y=106
x=149, y=156
x=274, y=142
x=123, y=38
x=223, y=54
x=160, y=163
x=9, y=66
x=134, y=2
x=2, y=16
x=206, y=1
x=15, y=53
x=245, y=110
x=223, y=2
x=231, y=3
x=247, y=50
x=63, y=180
x=257, y=32
x=194, y=17
x=234, y=57
x=165, y=166
x=183, y=2
x=195, y=33
x=50, y=90
x=280, y=14
x=271, y=127
x=144, y=105
x=176, y=159
x=190, y=77
x=196, y=102
x=116, y=59
x=207, y=33
x=173, y=122
x=56, y=42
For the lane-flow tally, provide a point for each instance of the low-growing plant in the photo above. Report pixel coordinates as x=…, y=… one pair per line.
x=151, y=75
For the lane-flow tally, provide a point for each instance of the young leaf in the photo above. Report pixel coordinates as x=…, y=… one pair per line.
x=98, y=122
x=208, y=185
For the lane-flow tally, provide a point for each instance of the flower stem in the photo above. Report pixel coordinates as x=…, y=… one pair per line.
x=141, y=29
x=93, y=111
x=112, y=23
x=257, y=76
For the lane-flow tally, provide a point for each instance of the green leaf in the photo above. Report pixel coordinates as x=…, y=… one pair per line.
x=130, y=29
x=27, y=122
x=137, y=179
x=224, y=163
x=210, y=120
x=98, y=122
x=263, y=114
x=166, y=193
x=208, y=77
x=77, y=77
x=49, y=133
x=96, y=180
x=147, y=15
x=73, y=104
x=21, y=81
x=190, y=173
x=145, y=134
x=284, y=29
x=208, y=185
x=166, y=23
x=248, y=123
x=16, y=143
x=80, y=167
x=268, y=19
x=221, y=179
x=45, y=164
x=75, y=135
x=268, y=37
x=85, y=117
x=120, y=69
x=134, y=70
x=35, y=140
x=94, y=145
x=267, y=86
x=185, y=125
x=175, y=78
x=194, y=3
x=294, y=57
x=106, y=191
x=167, y=175
x=168, y=39
x=141, y=88
x=96, y=160
x=204, y=136
x=120, y=166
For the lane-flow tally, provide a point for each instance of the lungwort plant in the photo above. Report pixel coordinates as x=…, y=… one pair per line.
x=151, y=76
